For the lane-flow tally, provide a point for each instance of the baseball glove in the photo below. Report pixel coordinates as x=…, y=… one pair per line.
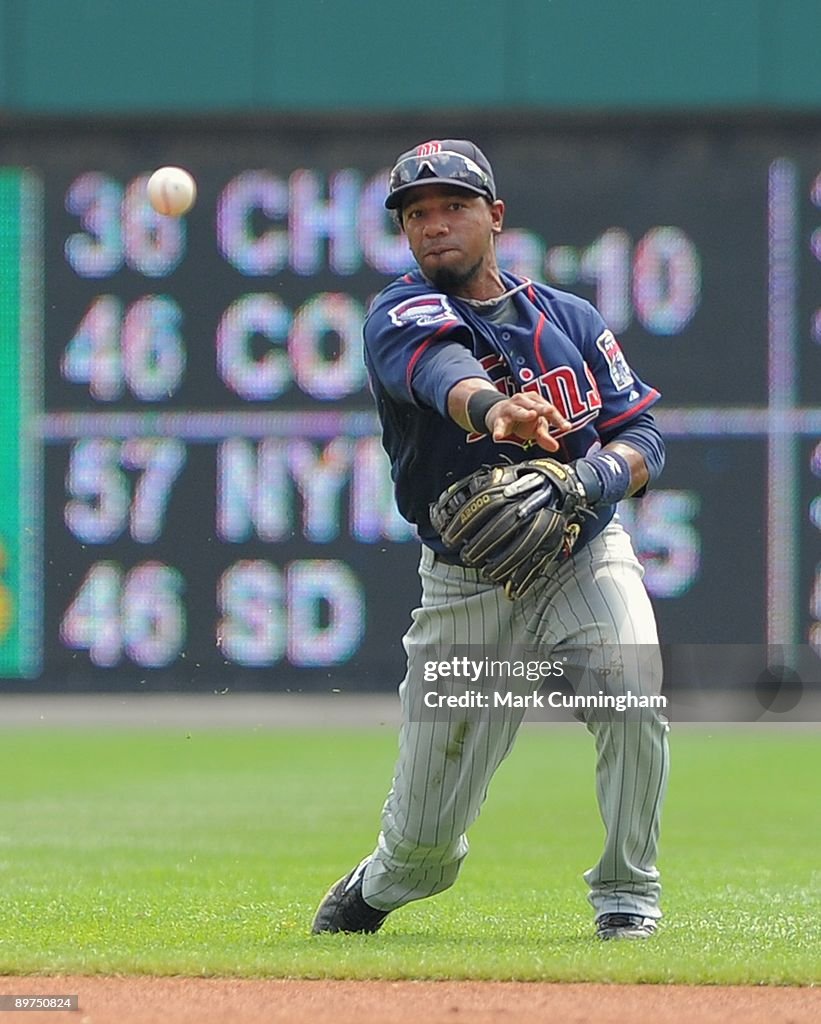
x=513, y=523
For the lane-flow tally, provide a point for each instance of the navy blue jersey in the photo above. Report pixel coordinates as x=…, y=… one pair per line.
x=420, y=342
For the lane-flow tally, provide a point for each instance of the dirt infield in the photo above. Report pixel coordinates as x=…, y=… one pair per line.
x=105, y=1000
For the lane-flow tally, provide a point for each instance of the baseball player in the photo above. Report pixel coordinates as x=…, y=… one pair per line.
x=472, y=366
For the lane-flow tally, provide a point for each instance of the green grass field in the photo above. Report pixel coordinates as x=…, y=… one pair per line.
x=206, y=853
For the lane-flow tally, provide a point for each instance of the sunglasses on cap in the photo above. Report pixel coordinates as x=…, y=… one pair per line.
x=450, y=166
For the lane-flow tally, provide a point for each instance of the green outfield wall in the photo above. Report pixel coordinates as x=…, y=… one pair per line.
x=334, y=55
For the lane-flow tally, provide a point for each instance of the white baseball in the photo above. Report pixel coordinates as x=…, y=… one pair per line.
x=171, y=191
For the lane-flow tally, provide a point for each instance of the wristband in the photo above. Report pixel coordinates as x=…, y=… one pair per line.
x=604, y=476
x=479, y=405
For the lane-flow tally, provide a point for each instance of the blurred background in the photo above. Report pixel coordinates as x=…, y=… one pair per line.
x=193, y=494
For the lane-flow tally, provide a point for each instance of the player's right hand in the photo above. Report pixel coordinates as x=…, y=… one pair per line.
x=528, y=417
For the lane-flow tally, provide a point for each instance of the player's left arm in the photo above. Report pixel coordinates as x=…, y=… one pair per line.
x=636, y=466
x=632, y=452
x=629, y=461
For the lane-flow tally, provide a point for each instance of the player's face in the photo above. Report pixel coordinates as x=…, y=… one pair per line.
x=450, y=232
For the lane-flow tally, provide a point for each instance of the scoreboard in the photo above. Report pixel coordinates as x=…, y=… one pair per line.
x=194, y=491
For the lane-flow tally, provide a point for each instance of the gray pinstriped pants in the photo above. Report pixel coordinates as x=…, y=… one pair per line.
x=596, y=602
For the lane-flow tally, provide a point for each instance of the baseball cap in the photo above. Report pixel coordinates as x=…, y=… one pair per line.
x=441, y=162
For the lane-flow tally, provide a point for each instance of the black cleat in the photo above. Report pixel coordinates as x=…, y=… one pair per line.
x=624, y=926
x=345, y=910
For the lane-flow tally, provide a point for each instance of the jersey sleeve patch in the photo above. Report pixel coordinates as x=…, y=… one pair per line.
x=423, y=310
x=620, y=372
